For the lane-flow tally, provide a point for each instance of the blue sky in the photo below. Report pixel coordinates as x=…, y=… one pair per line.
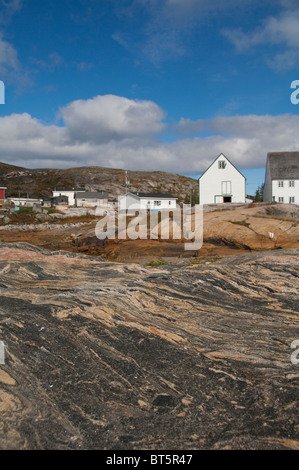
x=148, y=84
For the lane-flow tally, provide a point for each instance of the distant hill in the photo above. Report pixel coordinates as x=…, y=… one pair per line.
x=41, y=182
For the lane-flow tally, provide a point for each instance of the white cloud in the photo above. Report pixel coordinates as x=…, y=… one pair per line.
x=9, y=8
x=11, y=70
x=111, y=131
x=166, y=29
x=112, y=117
x=282, y=31
x=8, y=55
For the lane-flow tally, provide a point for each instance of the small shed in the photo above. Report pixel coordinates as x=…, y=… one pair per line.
x=59, y=201
x=2, y=193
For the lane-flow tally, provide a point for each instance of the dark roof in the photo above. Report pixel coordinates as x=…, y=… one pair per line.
x=92, y=195
x=69, y=189
x=154, y=195
x=283, y=165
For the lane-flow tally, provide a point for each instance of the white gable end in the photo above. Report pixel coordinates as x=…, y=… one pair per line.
x=222, y=183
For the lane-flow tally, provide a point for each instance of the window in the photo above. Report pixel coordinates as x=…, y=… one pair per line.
x=226, y=187
x=291, y=183
x=157, y=203
x=280, y=199
x=221, y=164
x=169, y=203
x=291, y=199
x=280, y=184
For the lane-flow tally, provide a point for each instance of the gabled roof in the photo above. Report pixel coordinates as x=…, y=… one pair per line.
x=153, y=195
x=283, y=165
x=221, y=155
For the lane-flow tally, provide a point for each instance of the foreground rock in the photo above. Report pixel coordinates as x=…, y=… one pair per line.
x=111, y=356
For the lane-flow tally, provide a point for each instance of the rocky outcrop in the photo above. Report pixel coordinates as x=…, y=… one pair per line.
x=228, y=230
x=254, y=227
x=41, y=182
x=102, y=355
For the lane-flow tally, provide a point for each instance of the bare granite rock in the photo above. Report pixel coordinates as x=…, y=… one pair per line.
x=102, y=355
x=42, y=181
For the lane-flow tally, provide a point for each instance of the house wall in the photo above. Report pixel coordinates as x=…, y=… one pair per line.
x=2, y=193
x=157, y=204
x=90, y=202
x=134, y=203
x=25, y=201
x=216, y=183
x=284, y=193
x=69, y=194
x=128, y=201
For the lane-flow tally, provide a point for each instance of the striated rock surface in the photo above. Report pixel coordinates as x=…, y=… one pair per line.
x=102, y=355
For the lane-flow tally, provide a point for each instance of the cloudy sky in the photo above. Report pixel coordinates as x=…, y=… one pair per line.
x=148, y=84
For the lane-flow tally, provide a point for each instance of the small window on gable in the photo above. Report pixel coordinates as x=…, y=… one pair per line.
x=221, y=164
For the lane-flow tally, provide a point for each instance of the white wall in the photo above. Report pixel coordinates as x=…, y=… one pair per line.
x=212, y=186
x=128, y=201
x=286, y=191
x=157, y=204
x=135, y=203
x=91, y=202
x=25, y=201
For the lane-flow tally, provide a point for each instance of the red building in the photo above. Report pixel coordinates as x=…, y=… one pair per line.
x=2, y=193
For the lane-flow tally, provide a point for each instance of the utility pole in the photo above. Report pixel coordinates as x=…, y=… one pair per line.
x=127, y=182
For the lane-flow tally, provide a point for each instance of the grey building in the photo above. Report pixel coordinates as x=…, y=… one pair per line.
x=91, y=199
x=282, y=178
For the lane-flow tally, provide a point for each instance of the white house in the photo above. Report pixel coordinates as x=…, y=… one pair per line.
x=70, y=193
x=146, y=201
x=91, y=199
x=222, y=182
x=282, y=178
x=24, y=201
